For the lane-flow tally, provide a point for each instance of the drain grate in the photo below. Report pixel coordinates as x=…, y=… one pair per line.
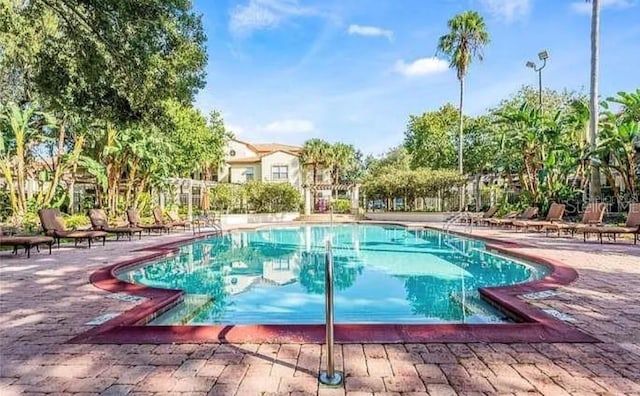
x=559, y=315
x=126, y=297
x=540, y=295
x=102, y=319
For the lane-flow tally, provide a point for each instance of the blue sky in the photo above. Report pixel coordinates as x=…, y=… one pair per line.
x=354, y=70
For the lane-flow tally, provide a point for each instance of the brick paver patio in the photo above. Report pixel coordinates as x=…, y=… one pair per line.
x=47, y=300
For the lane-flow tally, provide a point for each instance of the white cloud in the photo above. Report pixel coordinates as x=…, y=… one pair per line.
x=236, y=129
x=507, y=10
x=583, y=7
x=289, y=126
x=370, y=31
x=421, y=66
x=264, y=14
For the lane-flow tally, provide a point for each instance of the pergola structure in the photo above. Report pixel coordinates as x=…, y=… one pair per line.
x=309, y=193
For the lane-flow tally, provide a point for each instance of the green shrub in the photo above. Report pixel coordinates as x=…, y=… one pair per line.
x=225, y=197
x=271, y=197
x=341, y=206
x=76, y=221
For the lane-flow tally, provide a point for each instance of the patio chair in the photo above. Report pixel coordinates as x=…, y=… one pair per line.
x=593, y=215
x=556, y=211
x=632, y=226
x=177, y=221
x=159, y=219
x=508, y=220
x=483, y=217
x=25, y=241
x=99, y=222
x=133, y=217
x=53, y=226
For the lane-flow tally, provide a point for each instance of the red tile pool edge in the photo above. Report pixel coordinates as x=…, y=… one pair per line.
x=535, y=325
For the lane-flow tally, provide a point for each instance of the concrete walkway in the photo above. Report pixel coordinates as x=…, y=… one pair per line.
x=46, y=300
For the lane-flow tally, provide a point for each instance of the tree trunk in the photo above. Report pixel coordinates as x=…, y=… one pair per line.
x=13, y=196
x=59, y=167
x=460, y=143
x=594, y=190
x=20, y=175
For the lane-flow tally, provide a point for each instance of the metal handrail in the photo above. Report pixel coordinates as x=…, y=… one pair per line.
x=329, y=377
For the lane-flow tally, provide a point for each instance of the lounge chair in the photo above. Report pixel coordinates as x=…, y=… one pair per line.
x=133, y=217
x=53, y=225
x=177, y=222
x=593, y=215
x=159, y=219
x=483, y=217
x=632, y=226
x=556, y=211
x=508, y=220
x=25, y=241
x=99, y=222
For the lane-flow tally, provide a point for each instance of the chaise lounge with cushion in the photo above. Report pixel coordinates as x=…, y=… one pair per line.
x=177, y=221
x=556, y=211
x=53, y=226
x=99, y=222
x=133, y=216
x=632, y=227
x=527, y=214
x=592, y=216
x=25, y=241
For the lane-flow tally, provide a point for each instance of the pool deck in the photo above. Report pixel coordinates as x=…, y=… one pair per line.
x=45, y=301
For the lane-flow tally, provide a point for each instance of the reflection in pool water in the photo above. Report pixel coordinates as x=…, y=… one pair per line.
x=383, y=274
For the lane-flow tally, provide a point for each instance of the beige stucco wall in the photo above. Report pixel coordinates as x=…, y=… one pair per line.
x=242, y=151
x=238, y=172
x=282, y=158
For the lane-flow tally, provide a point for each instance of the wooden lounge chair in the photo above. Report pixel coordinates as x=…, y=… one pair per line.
x=99, y=222
x=133, y=217
x=177, y=222
x=483, y=217
x=159, y=219
x=556, y=211
x=508, y=220
x=593, y=215
x=53, y=226
x=632, y=226
x=25, y=241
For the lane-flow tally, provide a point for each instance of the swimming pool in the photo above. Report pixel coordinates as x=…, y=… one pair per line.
x=383, y=274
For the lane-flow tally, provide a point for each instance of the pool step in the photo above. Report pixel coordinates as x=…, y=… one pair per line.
x=473, y=304
x=191, y=306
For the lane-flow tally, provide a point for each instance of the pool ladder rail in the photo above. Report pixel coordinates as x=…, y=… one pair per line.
x=458, y=218
x=330, y=377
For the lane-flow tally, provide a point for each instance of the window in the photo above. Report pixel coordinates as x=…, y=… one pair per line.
x=249, y=174
x=232, y=153
x=279, y=172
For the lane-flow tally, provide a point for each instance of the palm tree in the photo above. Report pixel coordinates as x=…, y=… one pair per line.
x=341, y=156
x=315, y=152
x=594, y=190
x=466, y=38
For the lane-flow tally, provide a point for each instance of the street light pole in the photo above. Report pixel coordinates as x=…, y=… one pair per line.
x=543, y=56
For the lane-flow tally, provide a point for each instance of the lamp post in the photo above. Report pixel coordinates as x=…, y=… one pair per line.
x=543, y=56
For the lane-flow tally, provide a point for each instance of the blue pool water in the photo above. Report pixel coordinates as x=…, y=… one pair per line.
x=383, y=274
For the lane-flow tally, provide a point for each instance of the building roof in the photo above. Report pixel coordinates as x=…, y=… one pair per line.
x=270, y=147
x=258, y=158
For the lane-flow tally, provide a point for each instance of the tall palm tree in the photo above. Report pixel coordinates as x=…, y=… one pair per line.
x=466, y=38
x=315, y=152
x=594, y=190
x=341, y=156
